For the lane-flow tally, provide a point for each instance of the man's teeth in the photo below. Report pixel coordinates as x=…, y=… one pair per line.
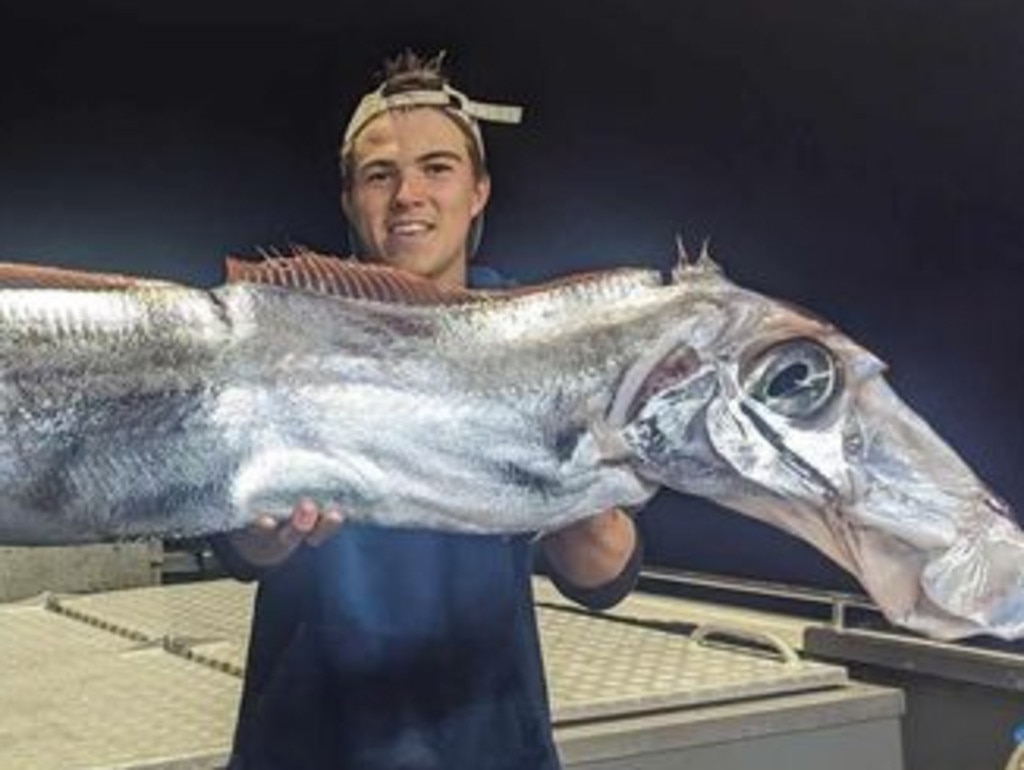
x=409, y=228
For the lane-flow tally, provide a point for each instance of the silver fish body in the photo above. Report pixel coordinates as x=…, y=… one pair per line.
x=167, y=410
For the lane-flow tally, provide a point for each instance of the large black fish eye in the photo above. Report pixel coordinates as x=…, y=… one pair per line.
x=797, y=378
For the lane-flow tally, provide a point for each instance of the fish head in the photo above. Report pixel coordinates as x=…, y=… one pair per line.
x=776, y=414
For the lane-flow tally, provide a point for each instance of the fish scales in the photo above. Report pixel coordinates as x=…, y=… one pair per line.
x=139, y=408
x=433, y=375
x=94, y=383
x=257, y=402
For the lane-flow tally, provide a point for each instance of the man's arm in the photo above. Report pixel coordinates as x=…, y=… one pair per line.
x=597, y=560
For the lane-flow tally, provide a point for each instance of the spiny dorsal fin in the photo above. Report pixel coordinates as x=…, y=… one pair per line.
x=347, y=277
x=688, y=269
x=25, y=276
x=323, y=274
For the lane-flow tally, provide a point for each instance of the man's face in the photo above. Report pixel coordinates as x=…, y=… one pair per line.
x=413, y=193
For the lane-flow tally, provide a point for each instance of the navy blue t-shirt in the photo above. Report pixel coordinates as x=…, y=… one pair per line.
x=397, y=650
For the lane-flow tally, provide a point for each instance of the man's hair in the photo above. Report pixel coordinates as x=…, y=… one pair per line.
x=408, y=71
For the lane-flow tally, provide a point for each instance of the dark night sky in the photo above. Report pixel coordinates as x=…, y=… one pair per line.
x=865, y=159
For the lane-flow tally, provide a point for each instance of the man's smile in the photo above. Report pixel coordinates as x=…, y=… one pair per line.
x=409, y=227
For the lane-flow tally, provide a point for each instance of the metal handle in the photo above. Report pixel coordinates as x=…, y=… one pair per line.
x=702, y=633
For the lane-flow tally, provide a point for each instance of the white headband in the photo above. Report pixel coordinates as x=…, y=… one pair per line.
x=454, y=102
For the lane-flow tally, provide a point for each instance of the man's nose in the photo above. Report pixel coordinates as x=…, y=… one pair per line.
x=410, y=188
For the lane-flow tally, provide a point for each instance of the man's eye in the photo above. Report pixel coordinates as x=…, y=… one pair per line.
x=436, y=169
x=376, y=177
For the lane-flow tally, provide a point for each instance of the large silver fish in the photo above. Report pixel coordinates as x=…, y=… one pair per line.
x=133, y=407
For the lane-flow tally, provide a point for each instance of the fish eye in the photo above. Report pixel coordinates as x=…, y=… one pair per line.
x=797, y=378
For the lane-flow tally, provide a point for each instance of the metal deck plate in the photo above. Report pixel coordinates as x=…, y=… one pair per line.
x=149, y=677
x=595, y=666
x=208, y=621
x=77, y=696
x=600, y=667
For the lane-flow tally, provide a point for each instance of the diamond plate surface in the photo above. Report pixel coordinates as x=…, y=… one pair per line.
x=77, y=696
x=602, y=667
x=596, y=666
x=207, y=621
x=149, y=677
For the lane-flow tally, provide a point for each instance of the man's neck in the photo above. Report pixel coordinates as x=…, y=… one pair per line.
x=456, y=274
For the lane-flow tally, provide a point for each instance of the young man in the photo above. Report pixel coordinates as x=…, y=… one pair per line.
x=388, y=649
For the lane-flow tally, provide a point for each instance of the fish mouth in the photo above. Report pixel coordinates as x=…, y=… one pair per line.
x=951, y=583
x=972, y=584
x=936, y=549
x=881, y=494
x=981, y=576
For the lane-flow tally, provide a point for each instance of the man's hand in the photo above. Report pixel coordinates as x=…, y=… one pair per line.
x=593, y=551
x=267, y=543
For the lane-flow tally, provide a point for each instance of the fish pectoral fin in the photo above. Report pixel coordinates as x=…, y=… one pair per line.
x=273, y=481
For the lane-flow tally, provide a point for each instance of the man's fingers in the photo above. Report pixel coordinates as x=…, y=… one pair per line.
x=269, y=541
x=264, y=524
x=328, y=524
x=264, y=542
x=304, y=516
x=301, y=522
